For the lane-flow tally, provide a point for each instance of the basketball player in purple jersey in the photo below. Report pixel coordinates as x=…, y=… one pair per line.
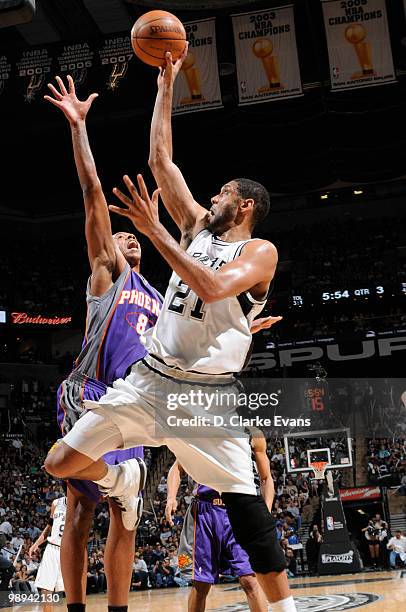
x=121, y=305
x=207, y=543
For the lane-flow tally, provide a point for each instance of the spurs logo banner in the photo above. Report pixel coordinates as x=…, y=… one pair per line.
x=198, y=85
x=114, y=57
x=34, y=68
x=266, y=53
x=358, y=43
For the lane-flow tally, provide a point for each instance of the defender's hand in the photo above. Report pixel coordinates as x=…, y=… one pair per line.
x=264, y=323
x=141, y=209
x=74, y=110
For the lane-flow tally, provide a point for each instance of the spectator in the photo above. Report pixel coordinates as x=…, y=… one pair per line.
x=313, y=549
x=164, y=574
x=397, y=548
x=140, y=573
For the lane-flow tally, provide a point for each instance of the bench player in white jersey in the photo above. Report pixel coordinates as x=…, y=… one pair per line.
x=49, y=577
x=202, y=337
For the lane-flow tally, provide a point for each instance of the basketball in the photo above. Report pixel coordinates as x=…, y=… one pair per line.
x=155, y=33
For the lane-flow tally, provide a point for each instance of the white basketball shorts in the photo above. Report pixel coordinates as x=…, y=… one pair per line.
x=157, y=405
x=49, y=574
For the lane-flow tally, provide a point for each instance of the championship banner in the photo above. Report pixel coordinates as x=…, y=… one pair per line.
x=198, y=86
x=358, y=43
x=114, y=57
x=5, y=70
x=266, y=54
x=75, y=60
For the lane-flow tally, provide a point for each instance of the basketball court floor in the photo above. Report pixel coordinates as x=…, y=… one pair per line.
x=383, y=591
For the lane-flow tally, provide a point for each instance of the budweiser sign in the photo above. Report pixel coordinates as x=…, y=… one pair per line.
x=359, y=493
x=23, y=318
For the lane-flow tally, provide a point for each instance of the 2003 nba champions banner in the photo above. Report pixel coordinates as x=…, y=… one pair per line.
x=266, y=52
x=358, y=42
x=198, y=86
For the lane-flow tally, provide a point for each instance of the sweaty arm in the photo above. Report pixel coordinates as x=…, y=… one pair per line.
x=264, y=469
x=253, y=269
x=105, y=260
x=188, y=215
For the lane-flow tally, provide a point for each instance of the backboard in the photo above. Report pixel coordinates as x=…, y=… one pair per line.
x=332, y=445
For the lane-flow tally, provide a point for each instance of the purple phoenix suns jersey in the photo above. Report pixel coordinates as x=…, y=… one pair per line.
x=114, y=324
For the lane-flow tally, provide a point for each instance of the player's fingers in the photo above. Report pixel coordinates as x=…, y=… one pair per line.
x=155, y=195
x=123, y=212
x=61, y=85
x=143, y=188
x=54, y=90
x=92, y=97
x=121, y=196
x=184, y=54
x=71, y=84
x=53, y=101
x=169, y=61
x=131, y=188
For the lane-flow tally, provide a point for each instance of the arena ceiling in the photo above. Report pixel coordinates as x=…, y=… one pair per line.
x=292, y=146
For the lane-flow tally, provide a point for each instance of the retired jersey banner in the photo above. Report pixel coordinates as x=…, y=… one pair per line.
x=266, y=53
x=198, y=85
x=358, y=42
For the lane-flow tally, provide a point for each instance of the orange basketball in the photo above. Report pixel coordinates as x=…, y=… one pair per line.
x=155, y=33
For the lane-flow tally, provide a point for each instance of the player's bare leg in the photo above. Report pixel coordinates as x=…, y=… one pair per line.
x=197, y=596
x=47, y=595
x=79, y=518
x=276, y=588
x=66, y=462
x=255, y=596
x=118, y=558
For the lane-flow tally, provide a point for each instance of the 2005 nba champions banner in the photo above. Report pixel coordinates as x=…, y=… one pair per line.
x=266, y=52
x=198, y=85
x=358, y=42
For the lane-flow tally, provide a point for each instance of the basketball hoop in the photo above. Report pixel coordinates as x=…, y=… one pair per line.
x=319, y=469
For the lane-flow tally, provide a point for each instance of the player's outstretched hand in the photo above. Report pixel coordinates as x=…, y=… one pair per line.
x=32, y=550
x=74, y=110
x=141, y=209
x=171, y=69
x=170, y=509
x=264, y=323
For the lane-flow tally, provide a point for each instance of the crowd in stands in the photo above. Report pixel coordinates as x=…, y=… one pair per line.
x=387, y=462
x=26, y=494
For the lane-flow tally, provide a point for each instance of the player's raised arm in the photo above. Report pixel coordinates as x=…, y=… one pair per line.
x=264, y=469
x=176, y=196
x=105, y=259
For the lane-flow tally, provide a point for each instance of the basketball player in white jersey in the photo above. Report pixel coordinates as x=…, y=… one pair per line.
x=202, y=337
x=49, y=577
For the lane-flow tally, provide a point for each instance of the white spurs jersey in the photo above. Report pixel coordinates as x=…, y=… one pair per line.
x=206, y=338
x=58, y=524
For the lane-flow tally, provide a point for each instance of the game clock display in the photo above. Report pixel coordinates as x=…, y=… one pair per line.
x=343, y=294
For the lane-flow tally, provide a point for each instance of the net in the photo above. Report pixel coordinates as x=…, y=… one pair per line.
x=319, y=469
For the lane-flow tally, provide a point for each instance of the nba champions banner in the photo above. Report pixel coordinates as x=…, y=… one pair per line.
x=198, y=86
x=358, y=43
x=266, y=52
